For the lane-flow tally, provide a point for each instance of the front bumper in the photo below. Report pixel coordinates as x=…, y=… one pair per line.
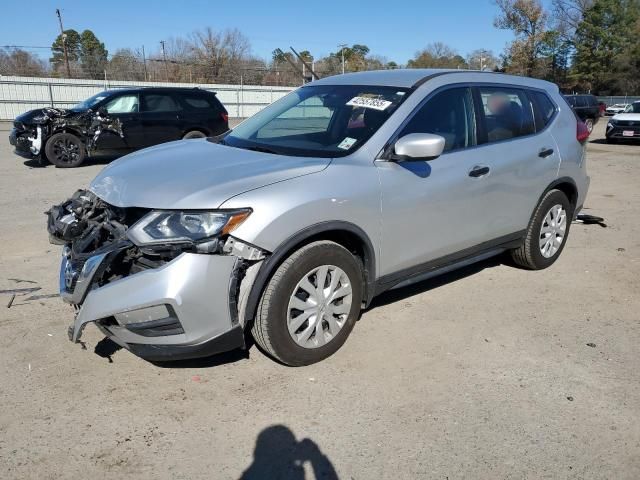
x=195, y=290
x=19, y=140
x=617, y=131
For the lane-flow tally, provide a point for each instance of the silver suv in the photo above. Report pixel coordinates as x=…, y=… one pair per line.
x=289, y=225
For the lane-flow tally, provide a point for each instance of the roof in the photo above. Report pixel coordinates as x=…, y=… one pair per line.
x=159, y=88
x=412, y=77
x=392, y=78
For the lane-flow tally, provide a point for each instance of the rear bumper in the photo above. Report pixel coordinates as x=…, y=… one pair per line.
x=193, y=295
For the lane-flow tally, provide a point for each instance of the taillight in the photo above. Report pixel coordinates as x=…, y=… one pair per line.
x=224, y=116
x=582, y=133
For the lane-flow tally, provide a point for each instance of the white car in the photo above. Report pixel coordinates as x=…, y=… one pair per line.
x=615, y=109
x=625, y=125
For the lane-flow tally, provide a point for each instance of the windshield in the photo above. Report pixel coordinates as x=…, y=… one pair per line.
x=319, y=121
x=633, y=108
x=91, y=101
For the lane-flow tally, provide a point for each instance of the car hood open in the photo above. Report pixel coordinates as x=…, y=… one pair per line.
x=194, y=174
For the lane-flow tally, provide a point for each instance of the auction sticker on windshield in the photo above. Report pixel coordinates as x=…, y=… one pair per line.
x=347, y=143
x=366, y=102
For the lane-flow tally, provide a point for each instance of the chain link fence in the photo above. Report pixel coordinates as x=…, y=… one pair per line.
x=19, y=94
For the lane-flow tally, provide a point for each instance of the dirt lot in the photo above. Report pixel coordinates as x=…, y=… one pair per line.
x=492, y=372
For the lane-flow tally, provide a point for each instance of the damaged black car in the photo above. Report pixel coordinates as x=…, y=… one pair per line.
x=116, y=122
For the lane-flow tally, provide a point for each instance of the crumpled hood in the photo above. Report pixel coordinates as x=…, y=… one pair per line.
x=194, y=174
x=635, y=117
x=27, y=117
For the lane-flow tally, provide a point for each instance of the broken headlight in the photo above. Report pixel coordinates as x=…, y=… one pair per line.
x=40, y=119
x=161, y=226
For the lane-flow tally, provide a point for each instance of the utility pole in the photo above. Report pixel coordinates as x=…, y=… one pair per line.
x=164, y=56
x=144, y=62
x=64, y=43
x=342, y=45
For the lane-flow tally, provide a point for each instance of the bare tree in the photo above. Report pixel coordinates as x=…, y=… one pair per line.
x=16, y=61
x=437, y=55
x=569, y=13
x=482, y=59
x=528, y=21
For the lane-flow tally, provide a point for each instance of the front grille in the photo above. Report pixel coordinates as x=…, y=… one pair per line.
x=628, y=123
x=18, y=125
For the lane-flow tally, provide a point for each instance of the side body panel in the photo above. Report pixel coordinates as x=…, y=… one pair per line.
x=423, y=210
x=344, y=191
x=573, y=154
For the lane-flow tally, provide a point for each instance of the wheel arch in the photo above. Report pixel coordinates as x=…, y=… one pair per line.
x=350, y=236
x=66, y=129
x=195, y=129
x=567, y=186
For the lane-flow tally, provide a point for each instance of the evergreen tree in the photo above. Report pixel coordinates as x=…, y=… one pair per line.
x=602, y=38
x=73, y=48
x=93, y=55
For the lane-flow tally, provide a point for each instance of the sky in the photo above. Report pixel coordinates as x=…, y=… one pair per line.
x=395, y=30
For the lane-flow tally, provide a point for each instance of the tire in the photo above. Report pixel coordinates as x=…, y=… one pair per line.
x=65, y=150
x=194, y=134
x=529, y=255
x=275, y=316
x=589, y=123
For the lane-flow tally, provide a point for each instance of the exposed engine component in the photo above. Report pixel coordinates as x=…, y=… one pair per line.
x=92, y=230
x=89, y=125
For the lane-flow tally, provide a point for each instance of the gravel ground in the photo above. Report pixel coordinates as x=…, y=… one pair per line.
x=491, y=372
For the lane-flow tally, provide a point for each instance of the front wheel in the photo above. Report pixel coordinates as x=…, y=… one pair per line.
x=310, y=305
x=547, y=232
x=193, y=134
x=65, y=150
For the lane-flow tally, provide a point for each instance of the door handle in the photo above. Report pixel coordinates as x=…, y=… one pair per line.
x=545, y=152
x=479, y=171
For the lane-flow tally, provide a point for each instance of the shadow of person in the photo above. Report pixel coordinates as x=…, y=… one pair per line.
x=279, y=456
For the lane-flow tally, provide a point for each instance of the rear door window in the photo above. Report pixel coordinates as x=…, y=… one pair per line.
x=506, y=112
x=160, y=102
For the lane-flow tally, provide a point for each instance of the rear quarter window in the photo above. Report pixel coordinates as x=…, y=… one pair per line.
x=543, y=107
x=201, y=102
x=197, y=102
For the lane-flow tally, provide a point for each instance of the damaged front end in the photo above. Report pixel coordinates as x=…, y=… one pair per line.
x=157, y=283
x=32, y=129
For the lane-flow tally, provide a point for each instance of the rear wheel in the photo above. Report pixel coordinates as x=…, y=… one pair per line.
x=547, y=232
x=65, y=150
x=193, y=134
x=310, y=305
x=589, y=123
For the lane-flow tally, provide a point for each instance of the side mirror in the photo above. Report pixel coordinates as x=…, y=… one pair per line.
x=418, y=146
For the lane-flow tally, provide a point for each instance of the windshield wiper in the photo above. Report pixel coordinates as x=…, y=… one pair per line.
x=262, y=149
